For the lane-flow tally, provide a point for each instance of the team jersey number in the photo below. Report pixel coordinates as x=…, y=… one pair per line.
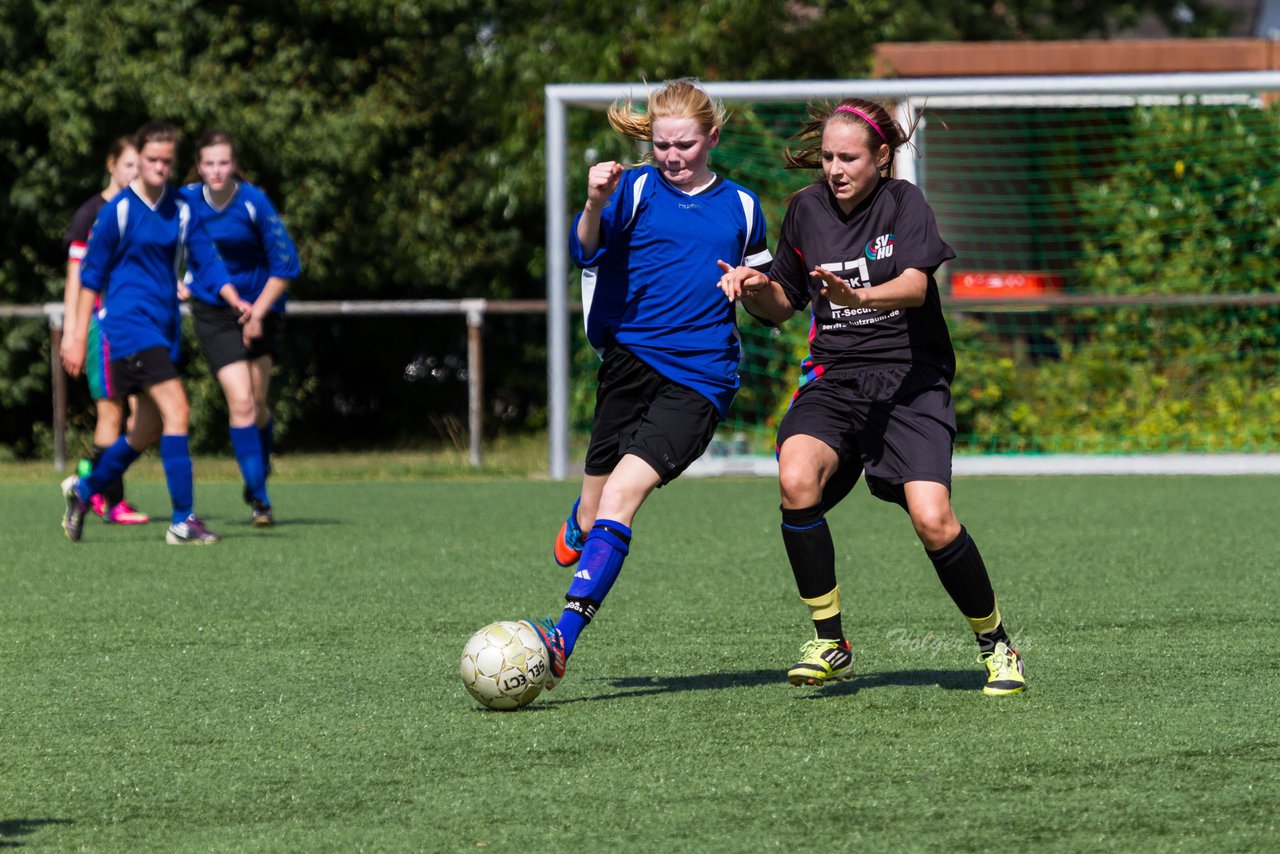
x=860, y=278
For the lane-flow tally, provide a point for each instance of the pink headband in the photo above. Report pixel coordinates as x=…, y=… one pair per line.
x=843, y=109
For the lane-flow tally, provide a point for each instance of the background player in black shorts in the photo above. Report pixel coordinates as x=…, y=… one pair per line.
x=874, y=395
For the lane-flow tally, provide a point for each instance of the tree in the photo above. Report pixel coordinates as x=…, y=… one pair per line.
x=402, y=141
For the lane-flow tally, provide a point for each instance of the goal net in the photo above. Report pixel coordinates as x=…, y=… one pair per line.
x=1115, y=286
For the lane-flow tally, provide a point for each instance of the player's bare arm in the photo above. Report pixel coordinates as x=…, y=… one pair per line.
x=759, y=294
x=602, y=180
x=906, y=291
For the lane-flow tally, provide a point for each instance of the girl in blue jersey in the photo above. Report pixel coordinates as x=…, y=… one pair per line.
x=239, y=330
x=648, y=240
x=132, y=263
x=861, y=249
x=94, y=358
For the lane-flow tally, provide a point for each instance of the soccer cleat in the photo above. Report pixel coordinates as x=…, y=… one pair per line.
x=1004, y=671
x=125, y=514
x=261, y=516
x=551, y=639
x=822, y=660
x=77, y=508
x=569, y=542
x=190, y=531
x=98, y=503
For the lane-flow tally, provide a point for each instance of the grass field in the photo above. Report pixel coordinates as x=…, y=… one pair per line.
x=296, y=689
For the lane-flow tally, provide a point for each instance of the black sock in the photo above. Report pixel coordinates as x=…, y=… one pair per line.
x=961, y=570
x=987, y=640
x=813, y=563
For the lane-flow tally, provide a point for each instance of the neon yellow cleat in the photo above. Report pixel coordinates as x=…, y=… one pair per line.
x=1004, y=671
x=822, y=661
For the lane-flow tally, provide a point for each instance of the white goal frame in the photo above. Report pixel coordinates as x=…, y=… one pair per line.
x=1117, y=89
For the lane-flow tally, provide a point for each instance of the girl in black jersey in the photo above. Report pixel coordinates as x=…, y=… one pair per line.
x=861, y=249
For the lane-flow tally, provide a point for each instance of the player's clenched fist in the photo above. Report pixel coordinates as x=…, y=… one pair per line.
x=602, y=180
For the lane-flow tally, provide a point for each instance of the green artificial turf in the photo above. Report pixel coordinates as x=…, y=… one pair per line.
x=297, y=689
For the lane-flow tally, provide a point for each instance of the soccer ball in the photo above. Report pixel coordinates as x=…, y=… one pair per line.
x=504, y=665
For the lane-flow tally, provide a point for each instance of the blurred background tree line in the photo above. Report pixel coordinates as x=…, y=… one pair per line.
x=403, y=143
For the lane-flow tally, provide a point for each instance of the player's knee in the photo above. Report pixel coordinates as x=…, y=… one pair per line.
x=800, y=486
x=935, y=526
x=242, y=408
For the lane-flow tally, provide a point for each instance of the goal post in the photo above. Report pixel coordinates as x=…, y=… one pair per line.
x=1000, y=308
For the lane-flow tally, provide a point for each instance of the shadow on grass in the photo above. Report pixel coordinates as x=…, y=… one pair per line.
x=11, y=827
x=948, y=680
x=639, y=686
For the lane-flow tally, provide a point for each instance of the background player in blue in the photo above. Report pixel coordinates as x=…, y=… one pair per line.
x=133, y=259
x=239, y=330
x=875, y=392
x=93, y=359
x=648, y=240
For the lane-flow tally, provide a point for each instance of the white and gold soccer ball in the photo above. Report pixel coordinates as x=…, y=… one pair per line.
x=504, y=665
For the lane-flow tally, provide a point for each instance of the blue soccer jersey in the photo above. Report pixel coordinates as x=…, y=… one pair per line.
x=134, y=259
x=250, y=238
x=651, y=285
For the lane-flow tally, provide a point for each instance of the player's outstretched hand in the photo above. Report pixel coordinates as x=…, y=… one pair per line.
x=837, y=290
x=602, y=180
x=740, y=281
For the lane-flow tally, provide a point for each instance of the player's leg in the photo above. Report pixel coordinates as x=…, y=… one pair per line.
x=805, y=465
x=110, y=504
x=673, y=430
x=567, y=548
x=260, y=368
x=175, y=456
x=624, y=388
x=127, y=375
x=963, y=574
x=236, y=380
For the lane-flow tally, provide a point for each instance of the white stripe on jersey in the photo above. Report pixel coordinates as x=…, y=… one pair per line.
x=588, y=292
x=77, y=250
x=637, y=189
x=122, y=216
x=589, y=274
x=179, y=257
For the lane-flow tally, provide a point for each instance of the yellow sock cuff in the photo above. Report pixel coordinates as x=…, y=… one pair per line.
x=985, y=624
x=824, y=606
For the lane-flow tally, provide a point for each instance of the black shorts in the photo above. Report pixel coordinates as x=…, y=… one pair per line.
x=641, y=412
x=140, y=371
x=897, y=423
x=222, y=337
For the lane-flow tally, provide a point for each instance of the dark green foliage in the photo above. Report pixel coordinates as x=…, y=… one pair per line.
x=1192, y=208
x=402, y=141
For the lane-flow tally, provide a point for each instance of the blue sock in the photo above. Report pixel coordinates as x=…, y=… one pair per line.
x=606, y=548
x=175, y=456
x=246, y=443
x=109, y=467
x=267, y=437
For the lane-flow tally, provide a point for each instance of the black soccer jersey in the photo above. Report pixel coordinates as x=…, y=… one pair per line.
x=891, y=231
x=76, y=239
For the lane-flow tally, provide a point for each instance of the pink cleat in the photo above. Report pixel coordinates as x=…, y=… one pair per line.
x=124, y=514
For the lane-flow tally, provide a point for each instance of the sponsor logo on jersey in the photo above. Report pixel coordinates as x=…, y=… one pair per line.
x=880, y=248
